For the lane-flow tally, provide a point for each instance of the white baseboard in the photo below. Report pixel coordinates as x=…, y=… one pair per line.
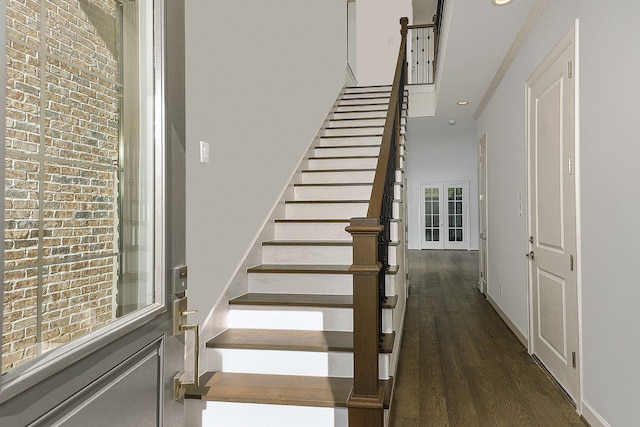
x=517, y=332
x=592, y=417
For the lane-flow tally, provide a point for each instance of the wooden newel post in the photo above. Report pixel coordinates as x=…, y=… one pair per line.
x=366, y=401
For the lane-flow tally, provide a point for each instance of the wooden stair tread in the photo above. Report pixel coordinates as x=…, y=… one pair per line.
x=335, y=184
x=288, y=202
x=336, y=170
x=311, y=221
x=300, y=268
x=278, y=389
x=353, y=127
x=307, y=243
x=342, y=157
x=316, y=243
x=325, y=147
x=293, y=340
x=378, y=135
x=309, y=268
x=303, y=300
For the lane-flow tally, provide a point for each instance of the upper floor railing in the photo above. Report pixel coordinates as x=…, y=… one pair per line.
x=421, y=53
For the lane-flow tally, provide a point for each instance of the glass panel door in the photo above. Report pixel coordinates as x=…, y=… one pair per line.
x=456, y=216
x=431, y=217
x=444, y=216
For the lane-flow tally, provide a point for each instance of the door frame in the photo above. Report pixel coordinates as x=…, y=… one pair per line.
x=67, y=380
x=483, y=214
x=569, y=40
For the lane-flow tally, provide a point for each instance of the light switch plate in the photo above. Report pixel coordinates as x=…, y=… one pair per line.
x=204, y=152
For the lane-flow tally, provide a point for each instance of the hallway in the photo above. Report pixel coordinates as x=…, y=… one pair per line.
x=460, y=365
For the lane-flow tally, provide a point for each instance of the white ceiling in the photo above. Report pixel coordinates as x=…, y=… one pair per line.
x=476, y=36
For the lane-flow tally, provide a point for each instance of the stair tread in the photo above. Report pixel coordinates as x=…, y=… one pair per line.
x=336, y=170
x=324, y=201
x=328, y=147
x=306, y=221
x=315, y=243
x=292, y=340
x=351, y=136
x=303, y=300
x=335, y=184
x=309, y=268
x=342, y=157
x=308, y=243
x=278, y=389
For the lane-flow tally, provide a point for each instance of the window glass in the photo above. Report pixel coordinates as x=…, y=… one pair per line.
x=79, y=188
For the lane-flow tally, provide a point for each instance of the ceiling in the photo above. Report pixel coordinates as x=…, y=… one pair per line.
x=475, y=38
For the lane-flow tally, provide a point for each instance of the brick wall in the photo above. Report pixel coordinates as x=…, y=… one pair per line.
x=61, y=193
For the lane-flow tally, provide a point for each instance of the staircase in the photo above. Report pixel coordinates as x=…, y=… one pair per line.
x=286, y=358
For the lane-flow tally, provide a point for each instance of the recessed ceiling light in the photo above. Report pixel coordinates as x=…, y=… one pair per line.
x=463, y=102
x=452, y=122
x=500, y=2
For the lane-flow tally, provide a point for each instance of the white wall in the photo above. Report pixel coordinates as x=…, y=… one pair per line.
x=441, y=153
x=609, y=200
x=261, y=77
x=378, y=39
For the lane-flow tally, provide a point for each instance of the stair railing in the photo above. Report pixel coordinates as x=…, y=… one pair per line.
x=371, y=238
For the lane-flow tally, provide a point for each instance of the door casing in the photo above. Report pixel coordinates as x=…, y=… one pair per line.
x=568, y=379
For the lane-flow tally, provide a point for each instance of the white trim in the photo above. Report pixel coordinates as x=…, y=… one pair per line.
x=506, y=319
x=592, y=417
x=518, y=41
x=350, y=79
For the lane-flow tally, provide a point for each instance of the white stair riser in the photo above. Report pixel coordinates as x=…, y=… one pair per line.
x=397, y=191
x=333, y=192
x=351, y=141
x=350, y=107
x=377, y=114
x=359, y=89
x=298, y=318
x=325, y=255
x=368, y=130
x=396, y=210
x=325, y=210
x=370, y=94
x=300, y=283
x=374, y=99
x=232, y=414
x=283, y=362
x=347, y=151
x=338, y=163
x=362, y=122
x=364, y=107
x=356, y=122
x=311, y=231
x=366, y=101
x=338, y=177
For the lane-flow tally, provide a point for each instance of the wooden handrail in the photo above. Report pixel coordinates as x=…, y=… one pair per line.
x=378, y=183
x=370, y=261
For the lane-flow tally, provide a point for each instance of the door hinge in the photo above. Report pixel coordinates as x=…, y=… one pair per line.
x=571, y=262
x=570, y=70
x=573, y=359
x=570, y=166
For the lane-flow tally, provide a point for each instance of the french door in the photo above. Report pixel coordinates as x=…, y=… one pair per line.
x=444, y=215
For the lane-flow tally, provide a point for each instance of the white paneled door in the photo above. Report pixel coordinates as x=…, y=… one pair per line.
x=444, y=216
x=552, y=216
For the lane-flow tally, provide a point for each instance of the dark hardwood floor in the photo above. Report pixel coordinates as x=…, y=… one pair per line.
x=460, y=365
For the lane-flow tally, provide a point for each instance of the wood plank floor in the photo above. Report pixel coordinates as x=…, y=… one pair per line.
x=460, y=365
